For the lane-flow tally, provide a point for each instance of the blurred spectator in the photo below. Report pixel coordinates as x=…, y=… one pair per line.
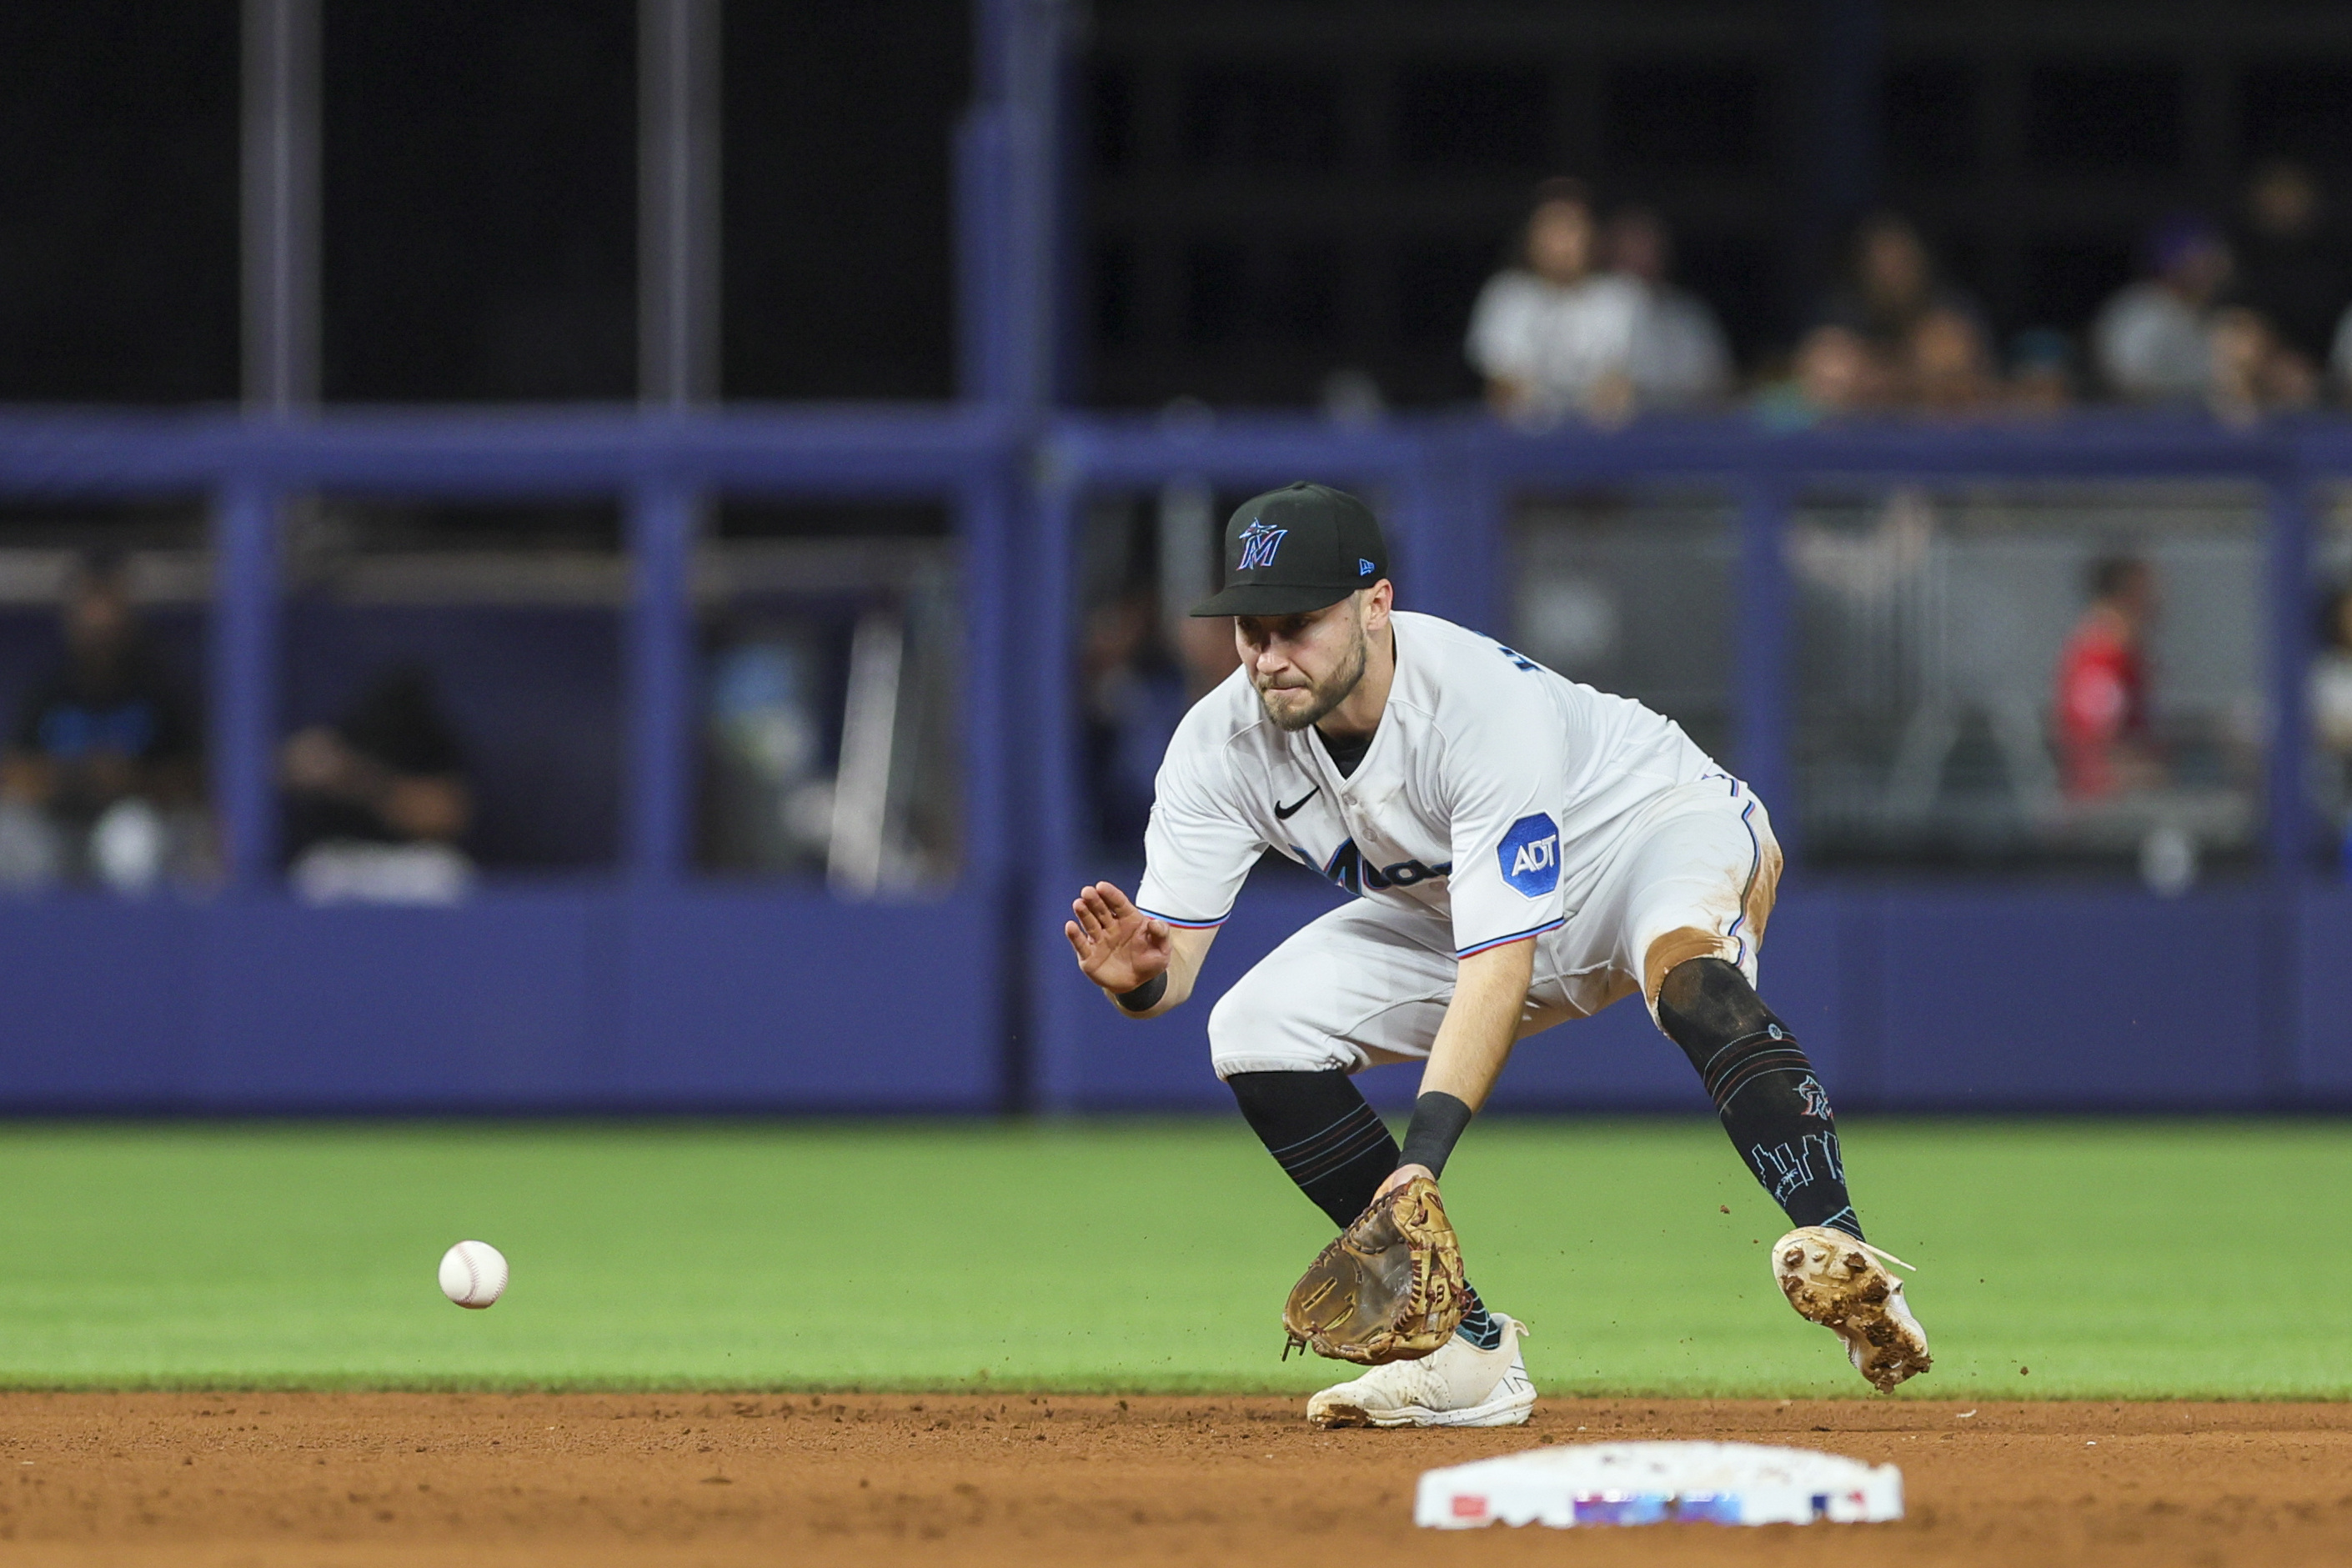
x=1134, y=699
x=1833, y=374
x=2104, y=746
x=1350, y=396
x=2042, y=371
x=2331, y=689
x=1679, y=357
x=1555, y=336
x=100, y=780
x=2251, y=372
x=2287, y=270
x=767, y=792
x=377, y=801
x=2150, y=339
x=1868, y=567
x=1205, y=649
x=1948, y=369
x=1892, y=288
x=2339, y=358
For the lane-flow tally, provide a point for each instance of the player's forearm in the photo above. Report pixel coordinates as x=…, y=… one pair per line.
x=1490, y=990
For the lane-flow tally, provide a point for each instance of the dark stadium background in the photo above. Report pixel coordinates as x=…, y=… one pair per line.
x=1251, y=236
x=1260, y=191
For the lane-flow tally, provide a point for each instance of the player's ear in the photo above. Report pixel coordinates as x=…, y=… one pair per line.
x=1378, y=600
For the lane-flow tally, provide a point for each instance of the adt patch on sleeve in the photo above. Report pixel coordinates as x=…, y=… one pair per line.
x=1529, y=853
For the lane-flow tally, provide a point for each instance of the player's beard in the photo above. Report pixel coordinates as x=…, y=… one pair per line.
x=1326, y=693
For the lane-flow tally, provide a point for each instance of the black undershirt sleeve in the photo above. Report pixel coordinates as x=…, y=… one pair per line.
x=1439, y=1120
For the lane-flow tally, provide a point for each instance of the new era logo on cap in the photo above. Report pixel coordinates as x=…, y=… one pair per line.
x=1365, y=568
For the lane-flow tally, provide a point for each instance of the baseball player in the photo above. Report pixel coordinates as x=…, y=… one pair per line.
x=1525, y=850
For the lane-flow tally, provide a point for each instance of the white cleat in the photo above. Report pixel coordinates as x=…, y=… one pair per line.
x=1839, y=1283
x=1457, y=1384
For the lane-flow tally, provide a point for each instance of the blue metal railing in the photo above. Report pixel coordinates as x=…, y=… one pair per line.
x=1017, y=490
x=657, y=465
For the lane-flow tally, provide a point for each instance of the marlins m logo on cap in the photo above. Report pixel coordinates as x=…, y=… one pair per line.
x=1300, y=549
x=1258, y=545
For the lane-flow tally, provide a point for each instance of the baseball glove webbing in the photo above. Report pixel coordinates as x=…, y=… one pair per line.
x=1388, y=1287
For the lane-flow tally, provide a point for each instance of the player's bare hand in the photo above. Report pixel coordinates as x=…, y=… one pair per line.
x=1402, y=1175
x=1118, y=945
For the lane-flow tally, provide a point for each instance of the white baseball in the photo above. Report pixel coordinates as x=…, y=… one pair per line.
x=473, y=1273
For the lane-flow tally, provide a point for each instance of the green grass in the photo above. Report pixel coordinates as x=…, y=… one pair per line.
x=2137, y=1259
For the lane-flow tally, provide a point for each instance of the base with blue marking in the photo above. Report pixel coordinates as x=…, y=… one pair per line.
x=1659, y=1483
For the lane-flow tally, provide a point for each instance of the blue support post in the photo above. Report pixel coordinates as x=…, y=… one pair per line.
x=980, y=171
x=991, y=506
x=1011, y=271
x=1760, y=655
x=1053, y=801
x=2288, y=573
x=990, y=595
x=2287, y=824
x=661, y=526
x=1846, y=44
x=244, y=678
x=1456, y=538
x=1010, y=191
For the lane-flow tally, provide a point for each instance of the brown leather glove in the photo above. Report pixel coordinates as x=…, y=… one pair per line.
x=1389, y=1288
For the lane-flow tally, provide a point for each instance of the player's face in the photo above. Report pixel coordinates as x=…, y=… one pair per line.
x=1304, y=665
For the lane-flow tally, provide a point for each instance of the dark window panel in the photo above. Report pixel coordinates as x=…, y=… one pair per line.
x=1928, y=115
x=1474, y=117
x=1735, y=273
x=480, y=200
x=48, y=524
x=757, y=518
x=1284, y=295
x=1110, y=118
x=2302, y=111
x=119, y=201
x=1215, y=282
x=1261, y=117
x=2065, y=279
x=1678, y=118
x=1302, y=294
x=1114, y=293
x=1438, y=279
x=839, y=223
x=1961, y=262
x=2106, y=119
x=362, y=523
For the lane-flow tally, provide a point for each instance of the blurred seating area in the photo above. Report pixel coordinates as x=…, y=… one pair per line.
x=1587, y=321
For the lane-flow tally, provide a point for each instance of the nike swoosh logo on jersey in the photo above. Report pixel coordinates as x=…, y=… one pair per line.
x=1282, y=813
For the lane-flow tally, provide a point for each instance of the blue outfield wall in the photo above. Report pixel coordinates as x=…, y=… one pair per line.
x=648, y=989
x=1908, y=999
x=558, y=1000
x=599, y=999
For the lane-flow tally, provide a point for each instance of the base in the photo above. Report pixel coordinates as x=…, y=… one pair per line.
x=1659, y=1483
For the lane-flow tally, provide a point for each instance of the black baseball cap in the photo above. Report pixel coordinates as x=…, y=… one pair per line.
x=1297, y=549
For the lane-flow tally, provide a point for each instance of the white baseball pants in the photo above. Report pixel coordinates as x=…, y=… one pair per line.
x=1691, y=875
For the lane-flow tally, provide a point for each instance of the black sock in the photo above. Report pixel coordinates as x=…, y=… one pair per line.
x=1323, y=1134
x=1328, y=1138
x=1764, y=1089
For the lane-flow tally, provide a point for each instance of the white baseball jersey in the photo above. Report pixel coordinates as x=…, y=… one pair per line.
x=1490, y=797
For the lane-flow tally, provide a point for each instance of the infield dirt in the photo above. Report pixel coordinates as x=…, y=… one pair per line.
x=380, y=1479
